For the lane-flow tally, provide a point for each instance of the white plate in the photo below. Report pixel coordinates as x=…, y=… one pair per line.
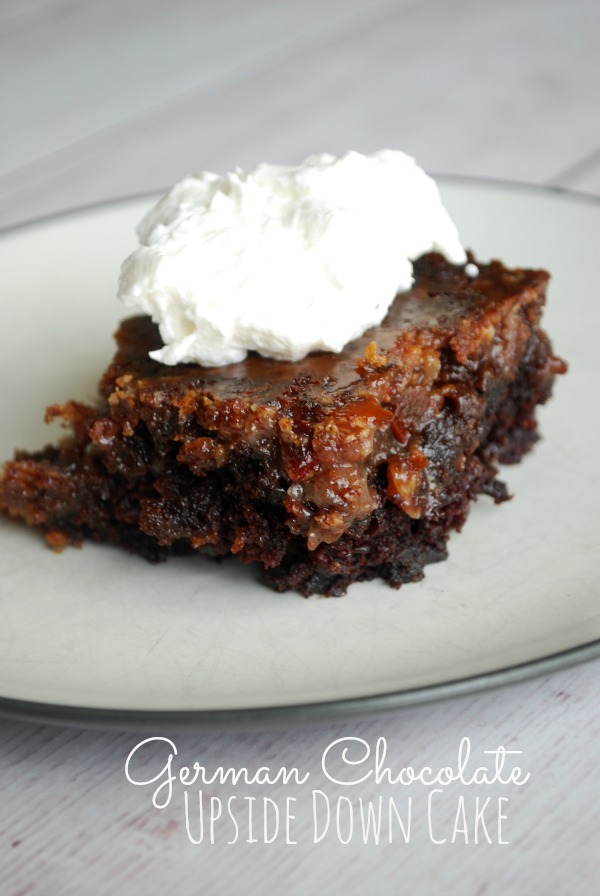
x=97, y=636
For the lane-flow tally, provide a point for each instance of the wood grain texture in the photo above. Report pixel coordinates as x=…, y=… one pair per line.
x=86, y=67
x=467, y=88
x=72, y=824
x=104, y=99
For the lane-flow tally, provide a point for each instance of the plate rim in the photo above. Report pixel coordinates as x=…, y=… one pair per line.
x=298, y=713
x=319, y=711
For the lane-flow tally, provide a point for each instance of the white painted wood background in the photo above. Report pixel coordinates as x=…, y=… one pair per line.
x=102, y=99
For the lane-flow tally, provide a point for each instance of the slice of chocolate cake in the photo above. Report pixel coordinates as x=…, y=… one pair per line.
x=326, y=471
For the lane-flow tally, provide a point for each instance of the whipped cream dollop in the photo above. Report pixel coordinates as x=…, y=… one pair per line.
x=283, y=260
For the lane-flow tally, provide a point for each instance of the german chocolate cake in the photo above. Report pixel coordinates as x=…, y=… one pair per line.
x=326, y=470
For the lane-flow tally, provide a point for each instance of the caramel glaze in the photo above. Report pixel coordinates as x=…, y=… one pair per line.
x=404, y=405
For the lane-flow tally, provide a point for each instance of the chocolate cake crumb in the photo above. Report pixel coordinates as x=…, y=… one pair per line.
x=327, y=471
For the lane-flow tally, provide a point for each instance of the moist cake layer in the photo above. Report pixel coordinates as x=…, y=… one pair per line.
x=329, y=470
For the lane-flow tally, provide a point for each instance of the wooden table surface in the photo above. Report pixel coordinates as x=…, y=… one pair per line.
x=98, y=100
